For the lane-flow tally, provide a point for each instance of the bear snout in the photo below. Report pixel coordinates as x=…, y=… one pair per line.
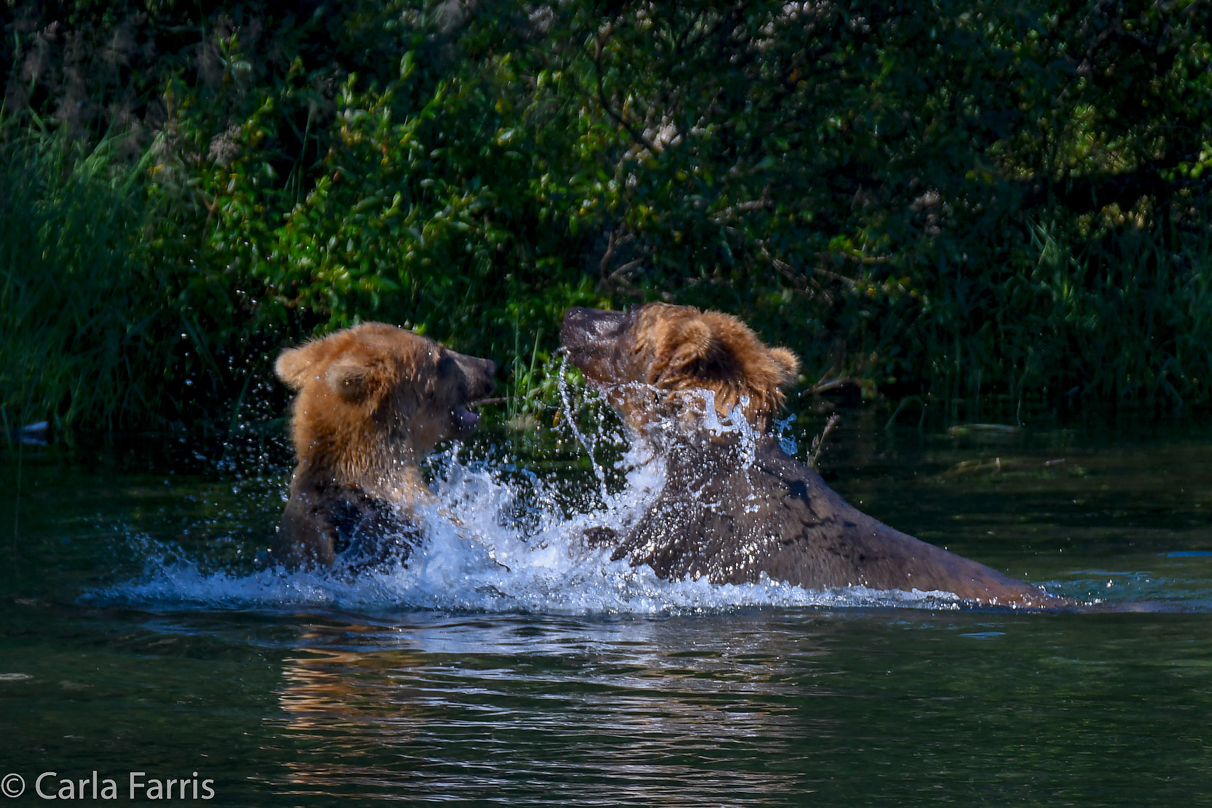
x=592, y=328
x=572, y=328
x=479, y=374
x=487, y=384
x=592, y=338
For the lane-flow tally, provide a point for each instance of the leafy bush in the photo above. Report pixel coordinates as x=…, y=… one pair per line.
x=939, y=198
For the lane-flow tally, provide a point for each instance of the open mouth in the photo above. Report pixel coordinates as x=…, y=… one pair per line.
x=467, y=419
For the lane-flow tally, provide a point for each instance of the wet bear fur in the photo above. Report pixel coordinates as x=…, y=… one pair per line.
x=735, y=506
x=372, y=401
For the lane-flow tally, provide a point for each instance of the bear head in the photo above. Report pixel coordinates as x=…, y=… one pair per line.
x=654, y=361
x=373, y=397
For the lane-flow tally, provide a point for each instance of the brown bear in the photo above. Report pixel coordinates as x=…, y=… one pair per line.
x=734, y=505
x=372, y=401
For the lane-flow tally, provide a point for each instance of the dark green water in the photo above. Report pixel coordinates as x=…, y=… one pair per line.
x=288, y=699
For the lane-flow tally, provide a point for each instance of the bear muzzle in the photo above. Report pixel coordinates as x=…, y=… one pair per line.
x=594, y=340
x=478, y=374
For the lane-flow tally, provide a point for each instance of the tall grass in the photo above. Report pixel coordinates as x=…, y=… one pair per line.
x=73, y=297
x=1124, y=316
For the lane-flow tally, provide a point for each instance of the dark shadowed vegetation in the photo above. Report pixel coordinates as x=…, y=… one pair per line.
x=939, y=199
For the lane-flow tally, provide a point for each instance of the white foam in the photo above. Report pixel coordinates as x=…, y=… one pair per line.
x=494, y=544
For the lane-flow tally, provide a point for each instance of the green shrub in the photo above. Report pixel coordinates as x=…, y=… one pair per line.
x=937, y=198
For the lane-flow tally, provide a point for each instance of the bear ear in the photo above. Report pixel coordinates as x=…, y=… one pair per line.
x=294, y=365
x=695, y=342
x=350, y=378
x=787, y=363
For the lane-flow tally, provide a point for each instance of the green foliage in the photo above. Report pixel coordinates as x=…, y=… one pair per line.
x=938, y=198
x=73, y=308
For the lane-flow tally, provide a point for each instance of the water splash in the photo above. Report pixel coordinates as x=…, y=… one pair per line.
x=500, y=538
x=570, y=420
x=734, y=423
x=782, y=433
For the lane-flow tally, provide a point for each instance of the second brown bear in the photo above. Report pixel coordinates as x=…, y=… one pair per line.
x=734, y=506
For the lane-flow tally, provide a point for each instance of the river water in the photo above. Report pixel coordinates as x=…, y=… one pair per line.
x=507, y=665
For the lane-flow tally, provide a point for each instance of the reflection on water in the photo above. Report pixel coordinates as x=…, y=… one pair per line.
x=455, y=708
x=861, y=708
x=136, y=632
